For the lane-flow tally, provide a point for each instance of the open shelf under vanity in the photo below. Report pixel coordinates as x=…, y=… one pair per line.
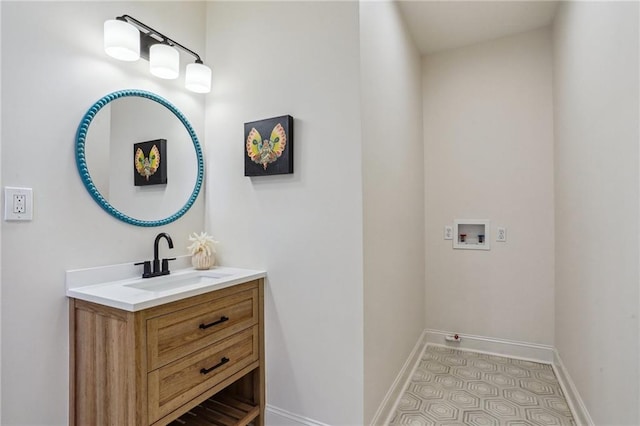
x=223, y=410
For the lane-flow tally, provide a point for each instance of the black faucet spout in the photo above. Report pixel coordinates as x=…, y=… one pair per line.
x=157, y=241
x=156, y=260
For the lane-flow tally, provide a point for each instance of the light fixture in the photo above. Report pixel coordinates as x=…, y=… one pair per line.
x=164, y=61
x=198, y=78
x=121, y=40
x=128, y=39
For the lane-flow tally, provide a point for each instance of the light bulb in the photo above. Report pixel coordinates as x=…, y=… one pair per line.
x=164, y=61
x=198, y=78
x=121, y=40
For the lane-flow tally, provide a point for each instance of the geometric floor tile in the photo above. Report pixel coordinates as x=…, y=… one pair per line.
x=453, y=387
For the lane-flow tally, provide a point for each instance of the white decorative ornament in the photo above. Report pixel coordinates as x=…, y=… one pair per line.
x=202, y=250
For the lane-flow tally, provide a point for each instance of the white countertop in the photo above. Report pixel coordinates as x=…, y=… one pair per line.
x=114, y=286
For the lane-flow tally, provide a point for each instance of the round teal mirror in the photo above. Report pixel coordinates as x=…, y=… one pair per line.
x=139, y=158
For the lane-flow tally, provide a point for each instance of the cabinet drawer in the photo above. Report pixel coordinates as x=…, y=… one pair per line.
x=177, y=334
x=175, y=384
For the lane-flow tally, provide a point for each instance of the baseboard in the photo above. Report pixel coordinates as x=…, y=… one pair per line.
x=390, y=401
x=278, y=417
x=511, y=348
x=576, y=404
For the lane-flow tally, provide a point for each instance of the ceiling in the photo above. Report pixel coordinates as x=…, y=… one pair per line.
x=448, y=24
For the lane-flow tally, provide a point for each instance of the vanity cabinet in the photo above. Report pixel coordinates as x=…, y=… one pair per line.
x=197, y=361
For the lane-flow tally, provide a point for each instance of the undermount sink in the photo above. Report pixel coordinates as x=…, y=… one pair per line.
x=172, y=282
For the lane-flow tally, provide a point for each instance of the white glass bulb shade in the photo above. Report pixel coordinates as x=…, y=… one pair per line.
x=164, y=61
x=121, y=40
x=198, y=78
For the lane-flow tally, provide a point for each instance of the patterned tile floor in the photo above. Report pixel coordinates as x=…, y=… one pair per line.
x=453, y=387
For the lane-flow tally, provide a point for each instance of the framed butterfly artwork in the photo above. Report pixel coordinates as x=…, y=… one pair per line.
x=150, y=163
x=268, y=146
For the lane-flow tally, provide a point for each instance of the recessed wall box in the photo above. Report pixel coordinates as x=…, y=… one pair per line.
x=471, y=234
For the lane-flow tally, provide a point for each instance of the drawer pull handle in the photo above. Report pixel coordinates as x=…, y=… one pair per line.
x=220, y=321
x=222, y=362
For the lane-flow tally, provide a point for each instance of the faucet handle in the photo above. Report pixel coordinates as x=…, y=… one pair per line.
x=165, y=265
x=146, y=268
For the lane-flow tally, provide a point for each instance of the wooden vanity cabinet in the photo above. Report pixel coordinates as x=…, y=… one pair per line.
x=196, y=361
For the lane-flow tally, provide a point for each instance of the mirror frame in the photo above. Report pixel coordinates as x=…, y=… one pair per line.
x=81, y=163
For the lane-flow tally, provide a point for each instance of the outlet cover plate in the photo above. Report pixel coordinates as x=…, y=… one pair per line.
x=18, y=203
x=448, y=232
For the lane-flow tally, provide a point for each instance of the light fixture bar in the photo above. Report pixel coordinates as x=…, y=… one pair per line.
x=147, y=38
x=128, y=39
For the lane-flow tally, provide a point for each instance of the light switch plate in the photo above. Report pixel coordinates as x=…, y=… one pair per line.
x=18, y=203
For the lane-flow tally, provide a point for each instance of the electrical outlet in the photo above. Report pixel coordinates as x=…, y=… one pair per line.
x=502, y=234
x=448, y=232
x=18, y=203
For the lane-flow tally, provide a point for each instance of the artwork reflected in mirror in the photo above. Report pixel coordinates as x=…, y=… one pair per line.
x=269, y=146
x=150, y=163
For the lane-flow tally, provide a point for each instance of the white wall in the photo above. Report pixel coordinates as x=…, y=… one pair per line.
x=596, y=164
x=305, y=229
x=393, y=197
x=53, y=70
x=488, y=135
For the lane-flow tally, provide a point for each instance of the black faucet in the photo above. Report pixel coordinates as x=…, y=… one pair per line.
x=157, y=270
